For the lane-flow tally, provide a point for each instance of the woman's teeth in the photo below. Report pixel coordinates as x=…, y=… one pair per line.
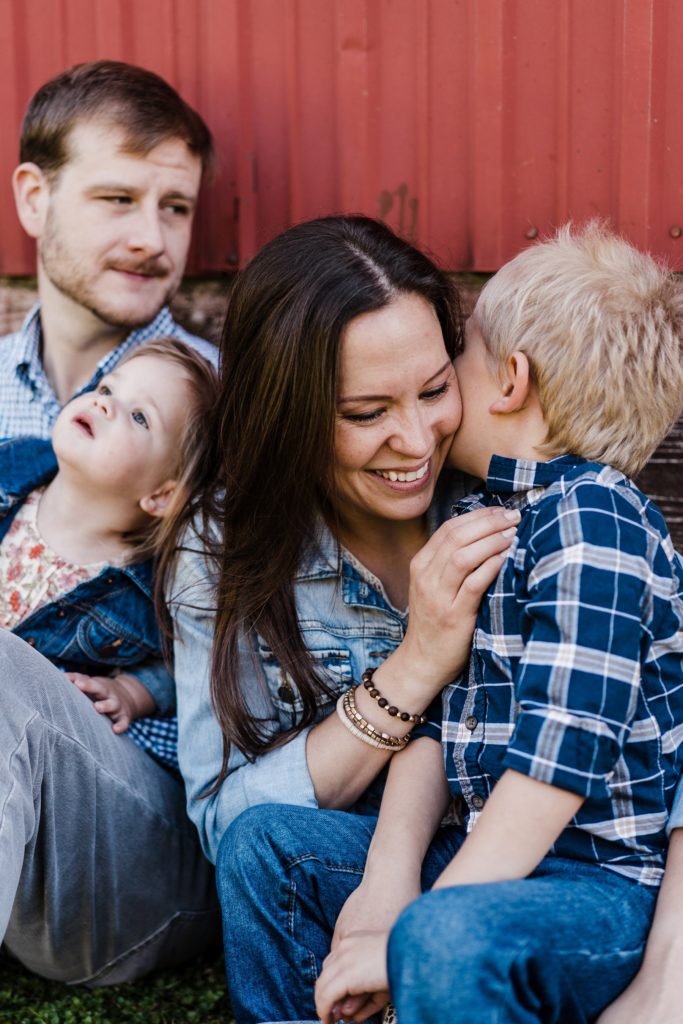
x=403, y=478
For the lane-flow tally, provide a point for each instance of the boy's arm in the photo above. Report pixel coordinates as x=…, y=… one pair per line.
x=353, y=983
x=413, y=803
x=656, y=992
x=522, y=817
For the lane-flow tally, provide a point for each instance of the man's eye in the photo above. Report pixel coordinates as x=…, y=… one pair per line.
x=140, y=418
x=179, y=209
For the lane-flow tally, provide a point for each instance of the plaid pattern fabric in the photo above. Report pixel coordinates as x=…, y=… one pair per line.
x=577, y=662
x=159, y=737
x=29, y=406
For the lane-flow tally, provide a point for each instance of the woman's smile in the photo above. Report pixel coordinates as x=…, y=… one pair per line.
x=397, y=410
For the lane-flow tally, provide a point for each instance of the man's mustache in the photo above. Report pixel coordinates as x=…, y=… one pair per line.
x=147, y=268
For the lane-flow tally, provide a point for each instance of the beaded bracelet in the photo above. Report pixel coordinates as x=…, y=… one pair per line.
x=390, y=709
x=356, y=732
x=355, y=722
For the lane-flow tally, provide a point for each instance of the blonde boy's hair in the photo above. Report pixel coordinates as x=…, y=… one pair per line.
x=602, y=326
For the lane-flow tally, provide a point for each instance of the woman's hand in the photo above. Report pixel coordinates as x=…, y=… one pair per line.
x=353, y=984
x=448, y=578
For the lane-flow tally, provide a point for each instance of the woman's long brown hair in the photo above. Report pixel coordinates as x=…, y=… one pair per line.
x=274, y=433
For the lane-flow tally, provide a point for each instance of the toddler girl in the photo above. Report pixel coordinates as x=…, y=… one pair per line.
x=81, y=521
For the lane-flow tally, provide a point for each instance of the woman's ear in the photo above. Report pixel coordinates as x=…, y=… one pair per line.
x=157, y=504
x=31, y=196
x=516, y=386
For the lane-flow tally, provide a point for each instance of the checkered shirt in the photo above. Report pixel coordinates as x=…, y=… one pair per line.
x=29, y=407
x=576, y=671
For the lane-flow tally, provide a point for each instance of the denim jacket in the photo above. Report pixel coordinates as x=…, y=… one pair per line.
x=348, y=625
x=104, y=623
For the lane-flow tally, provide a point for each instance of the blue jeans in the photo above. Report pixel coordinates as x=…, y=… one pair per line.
x=557, y=947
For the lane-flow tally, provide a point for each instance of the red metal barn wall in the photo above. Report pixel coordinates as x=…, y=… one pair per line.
x=469, y=125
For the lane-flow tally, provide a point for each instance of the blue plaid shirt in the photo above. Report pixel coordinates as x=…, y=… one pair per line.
x=576, y=671
x=29, y=407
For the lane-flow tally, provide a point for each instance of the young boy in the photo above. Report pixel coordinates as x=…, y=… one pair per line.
x=563, y=744
x=80, y=519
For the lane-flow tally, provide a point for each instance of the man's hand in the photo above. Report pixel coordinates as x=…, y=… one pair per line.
x=354, y=984
x=122, y=697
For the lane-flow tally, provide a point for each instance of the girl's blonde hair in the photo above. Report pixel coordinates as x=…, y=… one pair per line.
x=601, y=324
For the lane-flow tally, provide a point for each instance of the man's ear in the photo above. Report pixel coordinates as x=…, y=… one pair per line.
x=516, y=386
x=31, y=195
x=157, y=504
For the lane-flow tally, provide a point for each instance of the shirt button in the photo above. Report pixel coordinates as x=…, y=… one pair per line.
x=286, y=693
x=31, y=641
x=478, y=802
x=471, y=723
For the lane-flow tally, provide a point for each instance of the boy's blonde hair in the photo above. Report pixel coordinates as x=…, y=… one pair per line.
x=602, y=326
x=202, y=380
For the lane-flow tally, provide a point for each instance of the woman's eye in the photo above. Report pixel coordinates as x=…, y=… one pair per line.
x=140, y=418
x=437, y=392
x=364, y=417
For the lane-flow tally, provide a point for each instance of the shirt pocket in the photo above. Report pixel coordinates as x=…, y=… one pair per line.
x=332, y=664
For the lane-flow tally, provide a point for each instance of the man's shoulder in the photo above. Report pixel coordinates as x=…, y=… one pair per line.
x=164, y=324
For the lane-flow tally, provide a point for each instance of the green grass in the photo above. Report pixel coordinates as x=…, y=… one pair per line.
x=194, y=994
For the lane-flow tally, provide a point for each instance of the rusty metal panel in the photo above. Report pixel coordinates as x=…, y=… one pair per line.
x=471, y=126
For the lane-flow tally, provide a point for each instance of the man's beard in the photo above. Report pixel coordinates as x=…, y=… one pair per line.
x=76, y=281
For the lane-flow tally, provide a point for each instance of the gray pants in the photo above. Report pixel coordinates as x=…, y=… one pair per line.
x=101, y=874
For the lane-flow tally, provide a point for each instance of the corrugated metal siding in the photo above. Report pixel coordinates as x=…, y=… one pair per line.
x=469, y=125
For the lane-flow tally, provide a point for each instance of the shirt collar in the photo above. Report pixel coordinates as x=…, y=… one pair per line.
x=30, y=339
x=512, y=476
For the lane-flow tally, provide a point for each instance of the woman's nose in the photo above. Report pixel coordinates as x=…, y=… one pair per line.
x=413, y=435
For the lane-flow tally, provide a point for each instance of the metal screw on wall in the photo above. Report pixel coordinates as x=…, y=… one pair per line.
x=675, y=231
x=531, y=232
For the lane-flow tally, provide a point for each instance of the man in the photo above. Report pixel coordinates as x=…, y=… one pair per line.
x=111, y=163
x=103, y=878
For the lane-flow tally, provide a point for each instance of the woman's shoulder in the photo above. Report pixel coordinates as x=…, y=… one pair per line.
x=196, y=566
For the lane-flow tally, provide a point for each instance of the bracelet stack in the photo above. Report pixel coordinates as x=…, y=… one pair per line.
x=404, y=716
x=351, y=717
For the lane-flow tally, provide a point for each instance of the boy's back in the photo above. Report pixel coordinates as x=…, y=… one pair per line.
x=575, y=677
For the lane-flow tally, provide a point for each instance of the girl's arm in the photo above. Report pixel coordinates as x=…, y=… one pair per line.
x=656, y=992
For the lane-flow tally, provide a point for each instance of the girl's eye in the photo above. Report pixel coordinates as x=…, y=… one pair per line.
x=364, y=417
x=103, y=390
x=436, y=392
x=140, y=418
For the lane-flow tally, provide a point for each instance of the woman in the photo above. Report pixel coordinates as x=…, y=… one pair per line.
x=336, y=380
x=338, y=406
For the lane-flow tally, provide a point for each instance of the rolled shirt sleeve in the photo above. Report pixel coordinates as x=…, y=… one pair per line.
x=577, y=685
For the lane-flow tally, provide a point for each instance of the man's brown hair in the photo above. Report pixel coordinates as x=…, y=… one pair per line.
x=138, y=102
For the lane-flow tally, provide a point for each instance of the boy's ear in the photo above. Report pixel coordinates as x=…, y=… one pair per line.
x=157, y=504
x=516, y=385
x=31, y=195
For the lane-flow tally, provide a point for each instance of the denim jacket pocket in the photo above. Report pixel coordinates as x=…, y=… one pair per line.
x=103, y=642
x=333, y=665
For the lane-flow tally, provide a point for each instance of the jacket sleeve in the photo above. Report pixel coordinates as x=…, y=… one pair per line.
x=278, y=776
x=158, y=681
